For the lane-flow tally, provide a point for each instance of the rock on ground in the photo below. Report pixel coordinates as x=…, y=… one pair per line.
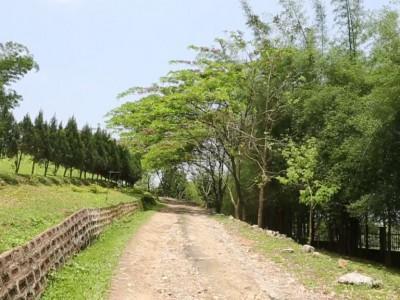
x=287, y=250
x=308, y=249
x=356, y=278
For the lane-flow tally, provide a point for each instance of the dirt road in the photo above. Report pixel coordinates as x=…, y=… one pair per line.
x=184, y=254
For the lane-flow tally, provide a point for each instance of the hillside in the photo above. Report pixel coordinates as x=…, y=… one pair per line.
x=29, y=205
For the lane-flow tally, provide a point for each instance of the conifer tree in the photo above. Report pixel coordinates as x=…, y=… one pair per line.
x=37, y=153
x=88, y=150
x=13, y=143
x=75, y=146
x=53, y=142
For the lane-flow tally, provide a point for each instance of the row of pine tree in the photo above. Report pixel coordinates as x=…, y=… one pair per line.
x=52, y=144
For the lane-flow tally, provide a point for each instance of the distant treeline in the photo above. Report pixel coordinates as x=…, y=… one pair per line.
x=50, y=142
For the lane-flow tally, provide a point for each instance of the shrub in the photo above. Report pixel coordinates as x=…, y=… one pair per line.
x=148, y=200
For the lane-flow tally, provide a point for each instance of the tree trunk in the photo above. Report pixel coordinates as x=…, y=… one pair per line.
x=366, y=234
x=70, y=173
x=18, y=162
x=65, y=172
x=236, y=180
x=236, y=205
x=237, y=211
x=56, y=167
x=80, y=174
x=261, y=202
x=244, y=213
x=220, y=195
x=46, y=167
x=33, y=168
x=388, y=258
x=311, y=226
x=218, y=203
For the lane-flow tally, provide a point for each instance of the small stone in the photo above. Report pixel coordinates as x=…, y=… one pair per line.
x=356, y=278
x=231, y=218
x=308, y=249
x=317, y=254
x=343, y=263
x=287, y=250
x=272, y=233
x=254, y=226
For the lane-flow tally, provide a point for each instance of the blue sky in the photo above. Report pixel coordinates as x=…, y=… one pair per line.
x=91, y=50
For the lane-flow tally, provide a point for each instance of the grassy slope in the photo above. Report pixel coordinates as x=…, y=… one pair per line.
x=7, y=169
x=320, y=272
x=87, y=276
x=31, y=205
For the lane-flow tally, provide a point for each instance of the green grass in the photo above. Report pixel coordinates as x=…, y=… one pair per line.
x=27, y=210
x=87, y=276
x=320, y=272
x=7, y=171
x=30, y=205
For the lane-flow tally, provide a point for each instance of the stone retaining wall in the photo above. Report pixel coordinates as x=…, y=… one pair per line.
x=23, y=270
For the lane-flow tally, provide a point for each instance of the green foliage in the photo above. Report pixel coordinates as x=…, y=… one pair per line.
x=173, y=183
x=15, y=62
x=88, y=152
x=148, y=200
x=192, y=193
x=302, y=164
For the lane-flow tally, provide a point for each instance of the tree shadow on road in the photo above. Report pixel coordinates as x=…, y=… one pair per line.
x=173, y=206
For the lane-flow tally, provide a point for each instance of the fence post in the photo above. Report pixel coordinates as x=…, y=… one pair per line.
x=366, y=235
x=382, y=242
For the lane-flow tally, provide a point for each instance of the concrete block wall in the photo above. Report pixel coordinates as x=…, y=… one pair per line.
x=24, y=269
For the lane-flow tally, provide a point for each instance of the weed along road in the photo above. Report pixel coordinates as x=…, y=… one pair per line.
x=182, y=253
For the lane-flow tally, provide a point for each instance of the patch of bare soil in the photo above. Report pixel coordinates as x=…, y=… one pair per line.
x=182, y=253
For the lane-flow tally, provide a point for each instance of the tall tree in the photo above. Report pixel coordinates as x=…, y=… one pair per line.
x=348, y=15
x=27, y=136
x=75, y=157
x=88, y=150
x=39, y=140
x=53, y=146
x=15, y=62
x=321, y=24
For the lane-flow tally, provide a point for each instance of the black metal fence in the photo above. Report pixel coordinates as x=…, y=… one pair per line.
x=396, y=242
x=376, y=240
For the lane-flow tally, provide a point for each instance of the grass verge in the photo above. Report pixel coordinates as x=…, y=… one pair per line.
x=320, y=272
x=87, y=276
x=27, y=210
